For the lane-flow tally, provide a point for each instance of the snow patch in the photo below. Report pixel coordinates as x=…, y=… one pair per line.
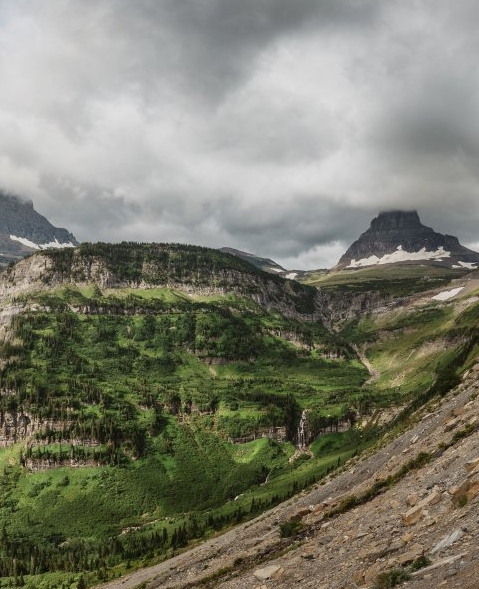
x=468, y=265
x=401, y=255
x=447, y=294
x=291, y=275
x=42, y=246
x=275, y=269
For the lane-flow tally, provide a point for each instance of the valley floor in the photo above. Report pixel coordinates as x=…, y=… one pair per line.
x=432, y=498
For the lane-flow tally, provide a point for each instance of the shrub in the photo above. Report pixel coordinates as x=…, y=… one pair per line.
x=420, y=562
x=392, y=578
x=290, y=528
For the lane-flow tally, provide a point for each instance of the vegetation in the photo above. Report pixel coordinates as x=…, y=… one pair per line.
x=152, y=397
x=391, y=578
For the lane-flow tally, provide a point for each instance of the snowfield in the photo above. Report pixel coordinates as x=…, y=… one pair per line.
x=401, y=255
x=41, y=246
x=447, y=294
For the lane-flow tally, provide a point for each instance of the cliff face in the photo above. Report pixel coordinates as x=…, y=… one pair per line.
x=194, y=270
x=23, y=230
x=399, y=236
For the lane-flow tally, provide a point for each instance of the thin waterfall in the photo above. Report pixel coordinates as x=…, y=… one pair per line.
x=301, y=431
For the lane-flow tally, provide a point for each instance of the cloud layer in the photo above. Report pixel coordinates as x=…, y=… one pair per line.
x=275, y=127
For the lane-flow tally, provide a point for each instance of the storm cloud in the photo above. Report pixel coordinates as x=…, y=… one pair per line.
x=275, y=127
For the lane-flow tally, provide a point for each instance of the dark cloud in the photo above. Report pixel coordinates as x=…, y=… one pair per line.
x=272, y=126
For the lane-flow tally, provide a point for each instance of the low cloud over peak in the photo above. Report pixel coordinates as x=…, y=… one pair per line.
x=274, y=127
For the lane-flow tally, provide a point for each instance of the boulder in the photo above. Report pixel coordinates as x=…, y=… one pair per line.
x=414, y=514
x=472, y=464
x=448, y=541
x=270, y=572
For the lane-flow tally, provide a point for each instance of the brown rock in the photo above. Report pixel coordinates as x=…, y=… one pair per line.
x=412, y=500
x=415, y=513
x=268, y=572
x=372, y=572
x=358, y=578
x=300, y=514
x=468, y=488
x=415, y=551
x=472, y=464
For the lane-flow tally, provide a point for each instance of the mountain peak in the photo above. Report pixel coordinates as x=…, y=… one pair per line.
x=23, y=230
x=388, y=220
x=400, y=237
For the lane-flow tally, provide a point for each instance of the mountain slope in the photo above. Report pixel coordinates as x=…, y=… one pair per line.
x=23, y=230
x=406, y=511
x=398, y=237
x=153, y=394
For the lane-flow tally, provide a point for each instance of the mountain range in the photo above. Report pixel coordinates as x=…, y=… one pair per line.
x=394, y=237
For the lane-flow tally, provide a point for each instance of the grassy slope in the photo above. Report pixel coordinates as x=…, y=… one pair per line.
x=119, y=378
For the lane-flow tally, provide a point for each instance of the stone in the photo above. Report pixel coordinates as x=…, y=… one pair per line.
x=472, y=464
x=300, y=514
x=448, y=541
x=451, y=424
x=414, y=514
x=407, y=538
x=268, y=572
x=468, y=488
x=372, y=572
x=414, y=552
x=412, y=500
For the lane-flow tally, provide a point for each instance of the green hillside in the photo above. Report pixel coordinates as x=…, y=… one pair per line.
x=151, y=395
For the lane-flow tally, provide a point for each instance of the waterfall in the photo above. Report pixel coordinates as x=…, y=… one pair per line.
x=301, y=431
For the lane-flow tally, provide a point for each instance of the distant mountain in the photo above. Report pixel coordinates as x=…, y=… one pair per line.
x=268, y=265
x=23, y=230
x=398, y=237
x=265, y=264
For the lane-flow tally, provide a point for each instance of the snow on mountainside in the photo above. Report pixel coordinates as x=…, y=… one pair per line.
x=398, y=237
x=23, y=230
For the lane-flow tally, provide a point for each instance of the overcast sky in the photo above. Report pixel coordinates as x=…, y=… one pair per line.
x=279, y=127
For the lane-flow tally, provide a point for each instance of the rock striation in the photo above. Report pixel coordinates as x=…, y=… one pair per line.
x=23, y=230
x=398, y=237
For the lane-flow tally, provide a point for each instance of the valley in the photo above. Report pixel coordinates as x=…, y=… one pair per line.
x=152, y=393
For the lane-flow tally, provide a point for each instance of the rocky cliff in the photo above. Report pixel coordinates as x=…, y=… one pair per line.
x=190, y=269
x=23, y=230
x=398, y=237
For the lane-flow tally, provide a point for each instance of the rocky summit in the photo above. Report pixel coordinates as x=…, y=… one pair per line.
x=23, y=230
x=400, y=237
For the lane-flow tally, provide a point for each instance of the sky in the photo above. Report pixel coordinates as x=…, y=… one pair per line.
x=277, y=127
